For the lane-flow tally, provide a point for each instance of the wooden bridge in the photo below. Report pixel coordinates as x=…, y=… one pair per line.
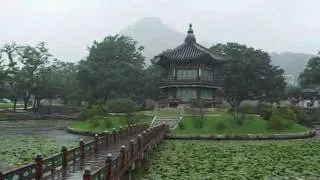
x=110, y=156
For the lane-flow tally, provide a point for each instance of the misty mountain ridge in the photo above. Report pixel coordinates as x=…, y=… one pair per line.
x=292, y=63
x=156, y=37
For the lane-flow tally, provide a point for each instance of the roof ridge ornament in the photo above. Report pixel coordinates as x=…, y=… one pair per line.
x=190, y=39
x=190, y=28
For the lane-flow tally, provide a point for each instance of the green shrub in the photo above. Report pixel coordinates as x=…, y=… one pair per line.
x=220, y=126
x=247, y=109
x=133, y=118
x=239, y=118
x=181, y=126
x=198, y=121
x=301, y=116
x=281, y=118
x=121, y=106
x=265, y=110
x=107, y=122
x=94, y=122
x=94, y=111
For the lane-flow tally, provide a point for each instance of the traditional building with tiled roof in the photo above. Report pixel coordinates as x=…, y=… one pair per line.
x=191, y=73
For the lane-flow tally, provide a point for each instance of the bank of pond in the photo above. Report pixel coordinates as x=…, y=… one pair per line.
x=213, y=124
x=19, y=150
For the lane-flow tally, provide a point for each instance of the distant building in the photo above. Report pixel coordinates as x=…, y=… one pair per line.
x=192, y=73
x=290, y=80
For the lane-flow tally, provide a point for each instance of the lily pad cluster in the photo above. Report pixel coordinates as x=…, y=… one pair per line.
x=20, y=150
x=298, y=159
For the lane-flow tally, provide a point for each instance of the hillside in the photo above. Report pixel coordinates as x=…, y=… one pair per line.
x=292, y=63
x=154, y=35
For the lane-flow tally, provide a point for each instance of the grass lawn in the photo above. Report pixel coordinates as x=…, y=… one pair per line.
x=225, y=160
x=252, y=125
x=9, y=105
x=101, y=125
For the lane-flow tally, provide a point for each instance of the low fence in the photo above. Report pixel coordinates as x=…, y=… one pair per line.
x=43, y=167
x=130, y=158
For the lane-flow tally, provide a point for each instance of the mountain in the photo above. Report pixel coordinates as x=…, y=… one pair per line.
x=292, y=63
x=154, y=35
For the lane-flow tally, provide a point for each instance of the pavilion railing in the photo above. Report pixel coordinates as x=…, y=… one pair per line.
x=43, y=167
x=167, y=82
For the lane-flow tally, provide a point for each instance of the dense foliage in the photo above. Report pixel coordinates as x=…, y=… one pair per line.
x=282, y=118
x=113, y=69
x=31, y=70
x=249, y=74
x=121, y=106
x=234, y=160
x=311, y=74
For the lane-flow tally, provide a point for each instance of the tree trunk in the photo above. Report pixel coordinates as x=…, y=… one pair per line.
x=38, y=103
x=50, y=106
x=14, y=105
x=34, y=103
x=235, y=109
x=26, y=100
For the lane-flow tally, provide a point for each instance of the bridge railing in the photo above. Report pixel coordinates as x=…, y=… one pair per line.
x=46, y=166
x=116, y=167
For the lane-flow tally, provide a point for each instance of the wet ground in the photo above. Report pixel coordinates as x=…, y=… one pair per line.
x=55, y=129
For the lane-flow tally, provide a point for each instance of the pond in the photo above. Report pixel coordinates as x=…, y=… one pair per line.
x=290, y=159
x=47, y=136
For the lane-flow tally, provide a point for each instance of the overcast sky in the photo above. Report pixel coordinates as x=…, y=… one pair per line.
x=69, y=26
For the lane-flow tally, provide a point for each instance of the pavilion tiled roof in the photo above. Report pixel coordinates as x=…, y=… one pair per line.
x=189, y=50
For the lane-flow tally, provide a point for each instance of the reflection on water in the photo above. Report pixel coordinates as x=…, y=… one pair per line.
x=55, y=129
x=49, y=128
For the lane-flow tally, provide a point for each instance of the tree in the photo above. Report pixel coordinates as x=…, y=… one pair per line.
x=12, y=82
x=311, y=74
x=152, y=77
x=113, y=69
x=2, y=76
x=63, y=81
x=249, y=74
x=34, y=60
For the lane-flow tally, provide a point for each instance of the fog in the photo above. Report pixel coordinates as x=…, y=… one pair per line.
x=69, y=26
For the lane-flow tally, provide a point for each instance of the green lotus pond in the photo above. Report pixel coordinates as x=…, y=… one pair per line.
x=20, y=150
x=234, y=160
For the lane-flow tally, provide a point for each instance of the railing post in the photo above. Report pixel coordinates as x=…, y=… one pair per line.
x=64, y=152
x=96, y=142
x=131, y=129
x=87, y=174
x=39, y=172
x=126, y=131
x=114, y=135
x=144, y=136
x=109, y=166
x=134, y=128
x=106, y=138
x=120, y=132
x=132, y=149
x=82, y=148
x=123, y=155
x=1, y=176
x=145, y=141
x=139, y=142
